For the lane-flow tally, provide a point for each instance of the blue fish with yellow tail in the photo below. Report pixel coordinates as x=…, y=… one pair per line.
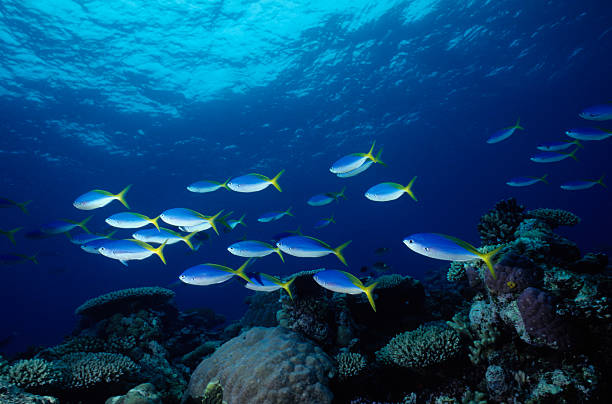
x=202, y=187
x=98, y=198
x=261, y=282
x=254, y=182
x=526, y=181
x=601, y=112
x=211, y=274
x=310, y=247
x=505, y=133
x=389, y=191
x=128, y=250
x=131, y=220
x=583, y=184
x=344, y=282
x=254, y=249
x=448, y=248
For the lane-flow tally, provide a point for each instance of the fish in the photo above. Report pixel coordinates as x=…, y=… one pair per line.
x=382, y=250
x=254, y=182
x=127, y=250
x=556, y=146
x=98, y=198
x=388, y=191
x=187, y=219
x=163, y=235
x=356, y=171
x=64, y=226
x=448, y=248
x=211, y=274
x=84, y=238
x=583, y=184
x=355, y=160
x=8, y=203
x=10, y=234
x=253, y=248
x=327, y=198
x=232, y=223
x=526, y=181
x=505, y=133
x=552, y=157
x=261, y=282
x=310, y=247
x=273, y=216
x=93, y=246
x=206, y=186
x=12, y=258
x=601, y=112
x=131, y=220
x=319, y=224
x=381, y=266
x=344, y=282
x=589, y=134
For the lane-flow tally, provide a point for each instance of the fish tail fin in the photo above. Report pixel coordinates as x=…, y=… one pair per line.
x=32, y=258
x=600, y=181
x=543, y=178
x=280, y=254
x=213, y=223
x=488, y=259
x=288, y=212
x=241, y=271
x=241, y=220
x=369, y=153
x=187, y=240
x=341, y=194
x=223, y=220
x=332, y=219
x=338, y=252
x=11, y=234
x=160, y=252
x=298, y=231
x=517, y=125
x=22, y=206
x=121, y=196
x=224, y=185
x=368, y=292
x=573, y=154
x=83, y=224
x=578, y=143
x=111, y=233
x=377, y=158
x=408, y=188
x=287, y=286
x=155, y=222
x=274, y=181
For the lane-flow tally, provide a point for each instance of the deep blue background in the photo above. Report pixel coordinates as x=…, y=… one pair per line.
x=460, y=177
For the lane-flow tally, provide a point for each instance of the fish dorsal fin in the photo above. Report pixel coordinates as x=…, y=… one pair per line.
x=323, y=243
x=463, y=244
x=354, y=280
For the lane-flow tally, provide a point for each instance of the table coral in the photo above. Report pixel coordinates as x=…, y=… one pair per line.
x=120, y=301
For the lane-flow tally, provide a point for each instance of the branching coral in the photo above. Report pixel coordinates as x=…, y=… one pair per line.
x=124, y=300
x=456, y=271
x=426, y=346
x=350, y=364
x=37, y=374
x=500, y=223
x=91, y=369
x=554, y=217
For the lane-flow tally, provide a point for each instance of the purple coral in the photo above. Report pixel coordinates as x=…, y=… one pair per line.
x=541, y=322
x=514, y=274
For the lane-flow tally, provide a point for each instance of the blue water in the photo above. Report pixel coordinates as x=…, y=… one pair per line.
x=101, y=94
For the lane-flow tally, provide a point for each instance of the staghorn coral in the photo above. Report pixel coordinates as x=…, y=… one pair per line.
x=500, y=223
x=554, y=217
x=350, y=364
x=125, y=300
x=88, y=370
x=541, y=322
x=266, y=365
x=37, y=375
x=426, y=346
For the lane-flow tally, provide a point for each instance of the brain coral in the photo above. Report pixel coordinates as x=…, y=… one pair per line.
x=428, y=345
x=542, y=324
x=266, y=365
x=124, y=300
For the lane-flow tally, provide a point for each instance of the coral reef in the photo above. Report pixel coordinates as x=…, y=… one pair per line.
x=125, y=300
x=554, y=217
x=542, y=323
x=350, y=364
x=500, y=223
x=142, y=394
x=266, y=365
x=428, y=345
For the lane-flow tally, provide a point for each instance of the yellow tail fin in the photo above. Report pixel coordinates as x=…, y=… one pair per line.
x=274, y=181
x=369, y=153
x=600, y=181
x=224, y=185
x=338, y=252
x=287, y=286
x=241, y=271
x=160, y=252
x=11, y=234
x=82, y=224
x=377, y=158
x=573, y=154
x=121, y=196
x=280, y=254
x=487, y=258
x=212, y=221
x=517, y=125
x=543, y=178
x=408, y=188
x=155, y=222
x=368, y=291
x=288, y=212
x=22, y=206
x=187, y=239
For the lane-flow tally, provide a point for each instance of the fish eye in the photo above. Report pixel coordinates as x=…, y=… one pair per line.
x=426, y=248
x=410, y=241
